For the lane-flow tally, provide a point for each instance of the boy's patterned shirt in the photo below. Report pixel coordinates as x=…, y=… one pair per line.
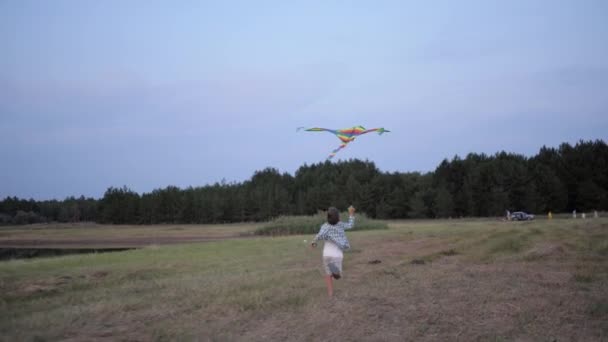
x=336, y=233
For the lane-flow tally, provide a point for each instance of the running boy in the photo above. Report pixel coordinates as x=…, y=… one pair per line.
x=335, y=239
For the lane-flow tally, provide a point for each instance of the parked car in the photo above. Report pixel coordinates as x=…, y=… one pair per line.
x=521, y=216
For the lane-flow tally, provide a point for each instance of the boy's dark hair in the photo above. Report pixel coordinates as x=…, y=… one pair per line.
x=333, y=215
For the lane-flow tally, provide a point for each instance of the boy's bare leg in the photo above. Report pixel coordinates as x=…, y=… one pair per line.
x=330, y=285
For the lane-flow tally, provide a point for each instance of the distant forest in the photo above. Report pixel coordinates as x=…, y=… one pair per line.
x=558, y=180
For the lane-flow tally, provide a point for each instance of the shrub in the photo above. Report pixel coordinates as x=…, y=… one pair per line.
x=29, y=217
x=5, y=219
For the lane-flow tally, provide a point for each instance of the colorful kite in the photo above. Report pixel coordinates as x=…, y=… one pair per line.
x=346, y=135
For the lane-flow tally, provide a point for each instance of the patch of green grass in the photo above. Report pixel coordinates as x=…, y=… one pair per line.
x=582, y=277
x=391, y=271
x=503, y=243
x=599, y=309
x=449, y=252
x=590, y=243
x=297, y=225
x=532, y=257
x=419, y=261
x=536, y=231
x=599, y=244
x=433, y=256
x=510, y=244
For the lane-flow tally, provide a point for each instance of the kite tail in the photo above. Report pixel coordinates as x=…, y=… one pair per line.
x=333, y=153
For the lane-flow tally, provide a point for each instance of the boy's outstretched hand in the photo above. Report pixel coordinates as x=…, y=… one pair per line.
x=351, y=210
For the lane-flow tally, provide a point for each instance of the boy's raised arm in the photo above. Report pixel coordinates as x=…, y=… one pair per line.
x=351, y=218
x=351, y=222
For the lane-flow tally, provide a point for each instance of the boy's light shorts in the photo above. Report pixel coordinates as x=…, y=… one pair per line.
x=332, y=265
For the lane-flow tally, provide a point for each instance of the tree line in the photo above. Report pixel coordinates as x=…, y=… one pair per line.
x=556, y=179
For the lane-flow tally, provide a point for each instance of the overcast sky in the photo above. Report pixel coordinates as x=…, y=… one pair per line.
x=155, y=93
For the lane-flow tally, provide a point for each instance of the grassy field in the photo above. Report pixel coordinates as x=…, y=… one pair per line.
x=419, y=280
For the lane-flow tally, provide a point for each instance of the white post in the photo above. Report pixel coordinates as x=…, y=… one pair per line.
x=595, y=214
x=574, y=213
